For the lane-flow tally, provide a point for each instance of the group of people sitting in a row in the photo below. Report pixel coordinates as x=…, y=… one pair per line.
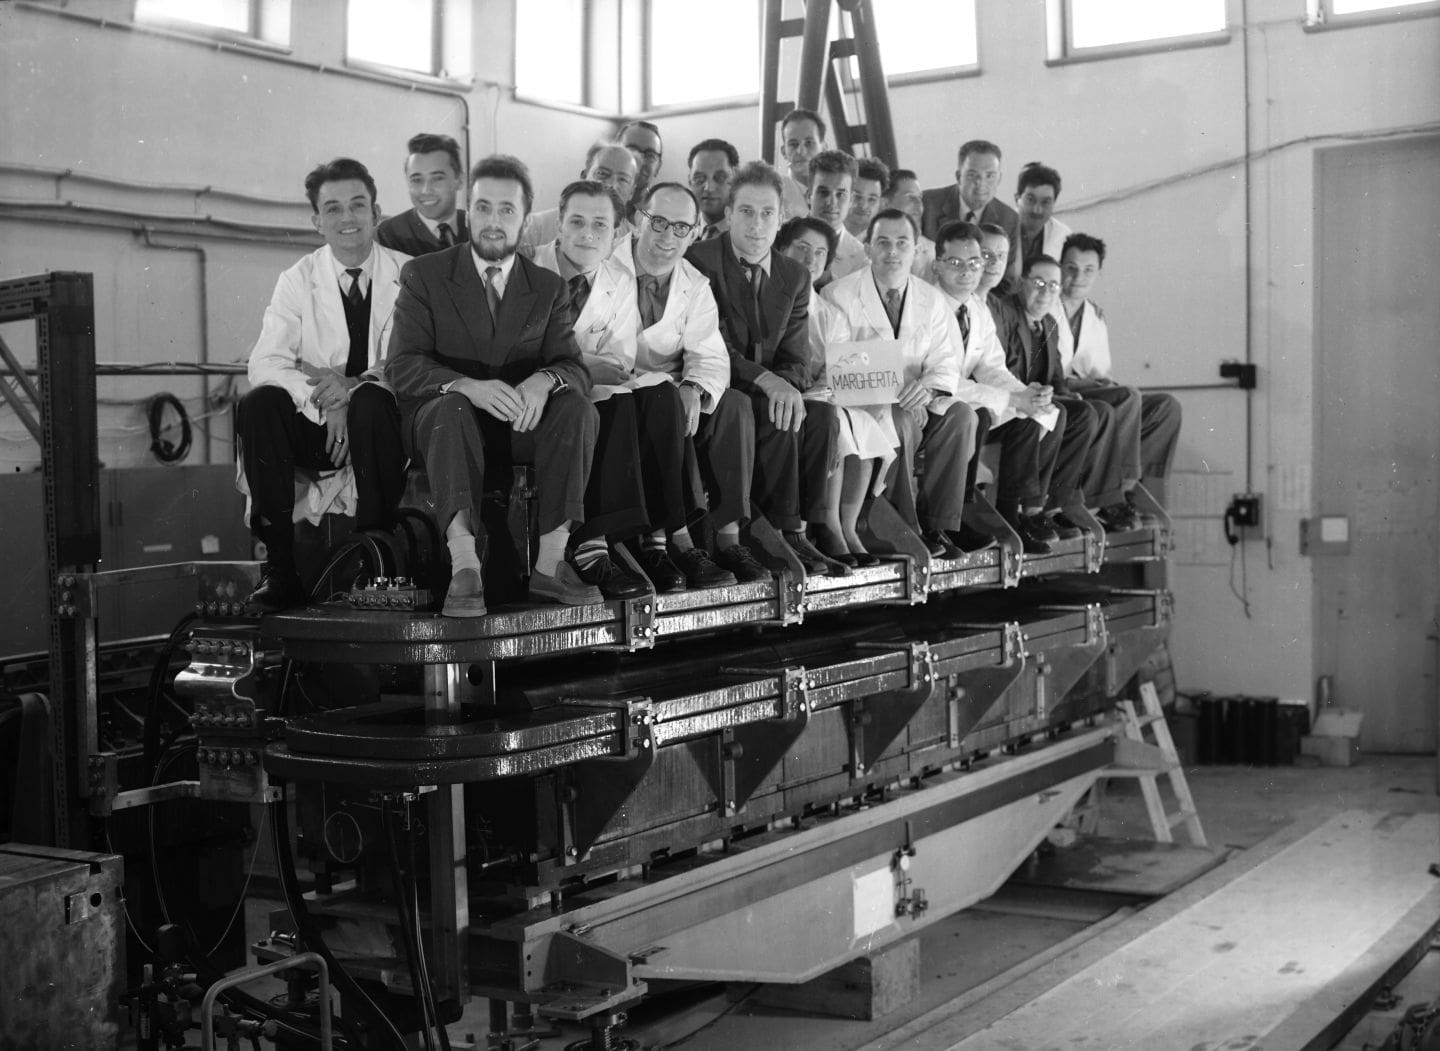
x=657, y=349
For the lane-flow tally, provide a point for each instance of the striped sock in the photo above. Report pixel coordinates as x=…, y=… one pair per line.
x=588, y=552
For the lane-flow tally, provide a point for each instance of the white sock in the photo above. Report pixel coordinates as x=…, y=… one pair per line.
x=727, y=535
x=551, y=550
x=462, y=552
x=681, y=539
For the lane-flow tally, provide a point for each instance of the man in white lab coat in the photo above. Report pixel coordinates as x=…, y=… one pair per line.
x=318, y=402
x=885, y=301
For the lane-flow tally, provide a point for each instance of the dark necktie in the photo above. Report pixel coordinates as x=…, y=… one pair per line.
x=892, y=309
x=356, y=294
x=447, y=235
x=579, y=293
x=708, y=232
x=649, y=299
x=1041, y=356
x=963, y=316
x=970, y=217
x=492, y=293
x=755, y=274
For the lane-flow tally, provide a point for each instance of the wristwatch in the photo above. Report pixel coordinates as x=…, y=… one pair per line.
x=557, y=382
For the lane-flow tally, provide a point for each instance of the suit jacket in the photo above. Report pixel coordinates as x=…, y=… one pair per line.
x=1012, y=328
x=985, y=380
x=943, y=205
x=778, y=340
x=305, y=325
x=929, y=335
x=1090, y=359
x=443, y=330
x=408, y=233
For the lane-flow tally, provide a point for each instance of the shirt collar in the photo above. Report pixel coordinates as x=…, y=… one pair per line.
x=567, y=269
x=764, y=264
x=368, y=267
x=433, y=225
x=506, y=265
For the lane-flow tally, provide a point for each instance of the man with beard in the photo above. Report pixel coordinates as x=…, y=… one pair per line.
x=485, y=364
x=712, y=163
x=434, y=174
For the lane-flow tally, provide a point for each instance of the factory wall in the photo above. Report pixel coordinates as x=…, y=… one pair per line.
x=1151, y=148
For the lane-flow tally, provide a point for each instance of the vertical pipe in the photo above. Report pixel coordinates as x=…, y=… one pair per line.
x=873, y=91
x=446, y=687
x=814, y=54
x=769, y=76
x=1249, y=248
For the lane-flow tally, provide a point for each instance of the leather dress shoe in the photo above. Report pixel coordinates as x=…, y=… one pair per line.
x=938, y=544
x=466, y=595
x=741, y=564
x=662, y=571
x=702, y=572
x=969, y=539
x=1064, y=526
x=278, y=589
x=865, y=559
x=1118, y=518
x=615, y=580
x=564, y=587
x=1034, y=531
x=816, y=564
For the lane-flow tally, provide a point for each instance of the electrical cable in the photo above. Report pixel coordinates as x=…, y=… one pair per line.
x=245, y=887
x=151, y=731
x=350, y=991
x=166, y=451
x=408, y=930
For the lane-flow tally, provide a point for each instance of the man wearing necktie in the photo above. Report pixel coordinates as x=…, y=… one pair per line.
x=1027, y=330
x=971, y=198
x=484, y=360
x=764, y=302
x=434, y=174
x=712, y=164
x=1015, y=414
x=317, y=404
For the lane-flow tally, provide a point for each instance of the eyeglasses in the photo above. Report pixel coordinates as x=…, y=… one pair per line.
x=994, y=257
x=660, y=224
x=1041, y=285
x=974, y=266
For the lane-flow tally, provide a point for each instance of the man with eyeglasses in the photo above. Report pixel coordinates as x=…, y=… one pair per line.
x=1035, y=195
x=764, y=301
x=995, y=254
x=608, y=163
x=802, y=136
x=642, y=139
x=484, y=361
x=712, y=163
x=1147, y=448
x=1019, y=416
x=832, y=178
x=886, y=301
x=972, y=198
x=434, y=175
x=903, y=192
x=1027, y=330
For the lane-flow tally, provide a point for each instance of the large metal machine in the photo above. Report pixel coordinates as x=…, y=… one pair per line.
x=758, y=782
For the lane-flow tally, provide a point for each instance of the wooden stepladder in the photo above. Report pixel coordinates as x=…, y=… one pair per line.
x=1147, y=760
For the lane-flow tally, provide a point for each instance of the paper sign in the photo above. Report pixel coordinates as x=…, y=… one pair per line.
x=870, y=372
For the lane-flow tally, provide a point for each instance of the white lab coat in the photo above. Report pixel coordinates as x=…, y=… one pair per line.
x=304, y=324
x=985, y=380
x=1091, y=359
x=608, y=329
x=850, y=256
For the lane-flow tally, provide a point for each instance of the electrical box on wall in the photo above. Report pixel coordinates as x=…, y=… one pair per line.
x=1243, y=514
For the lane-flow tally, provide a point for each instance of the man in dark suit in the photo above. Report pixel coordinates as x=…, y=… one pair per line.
x=764, y=301
x=485, y=365
x=972, y=199
x=433, y=175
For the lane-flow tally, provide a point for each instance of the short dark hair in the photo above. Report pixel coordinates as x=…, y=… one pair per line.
x=978, y=146
x=334, y=171
x=956, y=230
x=888, y=215
x=896, y=176
x=790, y=230
x=640, y=124
x=756, y=173
x=591, y=188
x=1084, y=243
x=994, y=230
x=504, y=166
x=714, y=146
x=1037, y=260
x=833, y=162
x=430, y=142
x=874, y=169
x=651, y=191
x=1037, y=174
x=803, y=114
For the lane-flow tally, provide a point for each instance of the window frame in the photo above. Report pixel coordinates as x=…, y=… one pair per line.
x=1059, y=52
x=1319, y=18
x=204, y=31
x=438, y=10
x=647, y=88
x=587, y=15
x=925, y=76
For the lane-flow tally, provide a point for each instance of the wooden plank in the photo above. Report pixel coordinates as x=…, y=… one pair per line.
x=1265, y=947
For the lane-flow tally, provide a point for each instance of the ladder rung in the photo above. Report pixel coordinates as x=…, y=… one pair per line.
x=1180, y=817
x=791, y=27
x=842, y=47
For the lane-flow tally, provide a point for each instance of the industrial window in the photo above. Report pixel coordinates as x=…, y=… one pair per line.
x=431, y=37
x=263, y=20
x=919, y=36
x=550, y=50
x=701, y=59
x=1086, y=28
x=1340, y=12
